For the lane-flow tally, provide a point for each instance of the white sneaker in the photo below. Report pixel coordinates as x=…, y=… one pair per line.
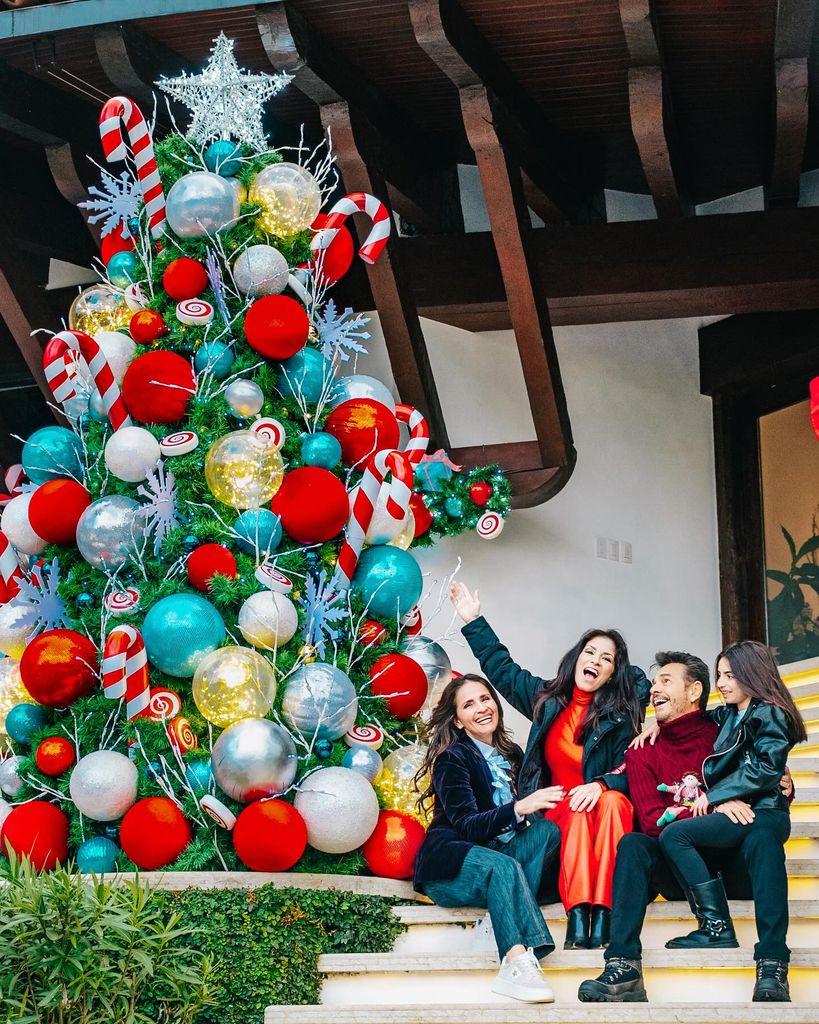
x=483, y=935
x=523, y=979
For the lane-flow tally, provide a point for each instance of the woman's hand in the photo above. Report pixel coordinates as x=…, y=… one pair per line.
x=650, y=733
x=737, y=810
x=467, y=605
x=584, y=798
x=700, y=806
x=540, y=800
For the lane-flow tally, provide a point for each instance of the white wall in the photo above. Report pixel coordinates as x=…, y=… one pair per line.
x=644, y=474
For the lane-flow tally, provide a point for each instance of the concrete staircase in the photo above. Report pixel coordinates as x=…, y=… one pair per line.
x=442, y=966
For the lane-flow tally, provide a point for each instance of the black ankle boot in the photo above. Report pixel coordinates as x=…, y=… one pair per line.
x=710, y=906
x=577, y=927
x=771, y=982
x=600, y=931
x=620, y=982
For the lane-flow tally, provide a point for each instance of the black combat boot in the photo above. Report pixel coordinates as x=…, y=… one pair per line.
x=577, y=927
x=620, y=982
x=710, y=907
x=771, y=982
x=600, y=932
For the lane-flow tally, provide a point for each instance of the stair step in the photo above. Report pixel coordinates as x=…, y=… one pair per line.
x=807, y=795
x=511, y=1012
x=804, y=764
x=805, y=830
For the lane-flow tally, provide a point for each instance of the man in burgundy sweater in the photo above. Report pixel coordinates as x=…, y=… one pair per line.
x=679, y=694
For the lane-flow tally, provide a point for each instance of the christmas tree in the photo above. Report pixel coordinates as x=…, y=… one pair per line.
x=209, y=607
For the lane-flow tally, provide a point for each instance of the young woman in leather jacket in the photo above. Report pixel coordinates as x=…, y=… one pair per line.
x=583, y=720
x=759, y=724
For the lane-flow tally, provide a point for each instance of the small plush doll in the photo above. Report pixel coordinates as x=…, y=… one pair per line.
x=685, y=793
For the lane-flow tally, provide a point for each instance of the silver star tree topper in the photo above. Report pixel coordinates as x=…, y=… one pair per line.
x=226, y=102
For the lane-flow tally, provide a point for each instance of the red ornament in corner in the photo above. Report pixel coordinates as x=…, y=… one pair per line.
x=154, y=832
x=422, y=515
x=270, y=835
x=391, y=850
x=481, y=492
x=37, y=830
x=208, y=561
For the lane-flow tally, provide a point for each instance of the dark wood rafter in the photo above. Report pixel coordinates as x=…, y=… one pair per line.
x=792, y=42
x=356, y=154
x=649, y=107
x=420, y=168
x=549, y=465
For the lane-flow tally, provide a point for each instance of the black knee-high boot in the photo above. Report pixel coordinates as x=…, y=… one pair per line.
x=710, y=907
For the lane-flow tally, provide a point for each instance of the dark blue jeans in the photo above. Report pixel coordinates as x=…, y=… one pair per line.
x=505, y=878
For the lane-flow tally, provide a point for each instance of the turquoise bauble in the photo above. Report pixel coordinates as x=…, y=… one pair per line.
x=23, y=721
x=52, y=452
x=123, y=269
x=320, y=449
x=305, y=375
x=454, y=507
x=258, y=530
x=199, y=775
x=389, y=580
x=216, y=357
x=222, y=157
x=97, y=856
x=179, y=631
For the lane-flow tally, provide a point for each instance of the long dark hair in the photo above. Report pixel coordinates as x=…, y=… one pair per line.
x=443, y=733
x=617, y=696
x=756, y=672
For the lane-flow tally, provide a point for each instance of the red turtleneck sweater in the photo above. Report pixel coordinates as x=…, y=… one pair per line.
x=681, y=748
x=561, y=751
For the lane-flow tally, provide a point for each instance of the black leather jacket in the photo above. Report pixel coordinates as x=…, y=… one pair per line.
x=749, y=759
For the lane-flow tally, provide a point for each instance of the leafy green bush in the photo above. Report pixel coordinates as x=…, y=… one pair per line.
x=266, y=942
x=75, y=952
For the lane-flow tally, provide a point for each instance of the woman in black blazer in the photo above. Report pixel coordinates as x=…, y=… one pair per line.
x=480, y=849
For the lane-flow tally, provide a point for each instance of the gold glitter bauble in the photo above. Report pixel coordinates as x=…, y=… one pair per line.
x=289, y=197
x=99, y=308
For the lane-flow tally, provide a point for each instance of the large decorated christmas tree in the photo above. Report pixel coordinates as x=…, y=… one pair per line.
x=208, y=596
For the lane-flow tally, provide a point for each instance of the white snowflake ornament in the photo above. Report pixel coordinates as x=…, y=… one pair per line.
x=159, y=511
x=45, y=608
x=341, y=333
x=115, y=203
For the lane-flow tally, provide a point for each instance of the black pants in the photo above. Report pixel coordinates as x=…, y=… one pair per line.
x=763, y=849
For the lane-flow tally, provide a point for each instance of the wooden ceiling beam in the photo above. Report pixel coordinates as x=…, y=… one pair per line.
x=792, y=41
x=420, y=168
x=550, y=161
x=649, y=107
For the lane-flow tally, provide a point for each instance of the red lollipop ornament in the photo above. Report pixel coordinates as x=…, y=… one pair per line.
x=208, y=561
x=58, y=667
x=276, y=326
x=154, y=832
x=184, y=278
x=391, y=850
x=38, y=831
x=157, y=387
x=269, y=835
x=55, y=509
x=312, y=504
x=362, y=426
x=401, y=682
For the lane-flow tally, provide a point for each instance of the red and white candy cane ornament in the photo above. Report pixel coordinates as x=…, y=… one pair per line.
x=120, y=110
x=419, y=432
x=10, y=571
x=357, y=202
x=125, y=670
x=60, y=366
x=13, y=479
x=61, y=347
x=378, y=466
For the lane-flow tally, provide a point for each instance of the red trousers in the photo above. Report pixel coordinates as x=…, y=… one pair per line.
x=588, y=847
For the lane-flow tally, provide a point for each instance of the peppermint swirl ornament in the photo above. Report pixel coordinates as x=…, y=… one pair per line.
x=274, y=580
x=194, y=312
x=215, y=809
x=489, y=526
x=269, y=430
x=369, y=736
x=181, y=734
x=164, y=704
x=180, y=443
x=120, y=602
x=134, y=298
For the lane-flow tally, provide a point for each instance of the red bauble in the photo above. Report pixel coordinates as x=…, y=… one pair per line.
x=184, y=278
x=391, y=850
x=276, y=326
x=58, y=667
x=114, y=243
x=55, y=509
x=157, y=387
x=481, y=492
x=269, y=835
x=55, y=755
x=207, y=561
x=147, y=326
x=362, y=426
x=154, y=832
x=371, y=633
x=338, y=256
x=421, y=514
x=404, y=680
x=312, y=504
x=37, y=830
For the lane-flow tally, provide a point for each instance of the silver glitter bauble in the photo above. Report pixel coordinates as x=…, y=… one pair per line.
x=201, y=204
x=435, y=662
x=320, y=701
x=339, y=807
x=260, y=270
x=253, y=759
x=365, y=761
x=10, y=781
x=103, y=785
x=109, y=533
x=244, y=397
x=5, y=811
